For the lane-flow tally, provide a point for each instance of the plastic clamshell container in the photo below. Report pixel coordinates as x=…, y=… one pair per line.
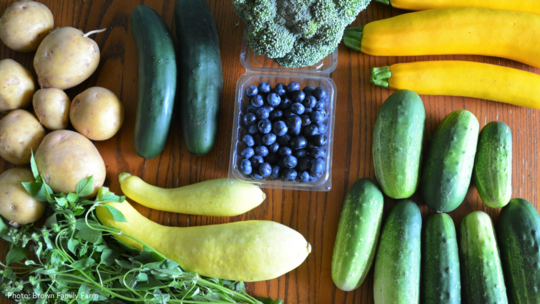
x=260, y=68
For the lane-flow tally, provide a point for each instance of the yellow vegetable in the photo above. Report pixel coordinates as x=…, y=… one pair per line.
x=217, y=197
x=528, y=6
x=245, y=251
x=463, y=78
x=475, y=31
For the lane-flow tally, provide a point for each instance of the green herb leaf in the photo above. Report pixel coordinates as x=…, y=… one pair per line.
x=48, y=191
x=36, y=190
x=4, y=229
x=89, y=235
x=142, y=277
x=83, y=264
x=85, y=186
x=16, y=254
x=50, y=221
x=51, y=271
x=72, y=197
x=124, y=264
x=33, y=164
x=73, y=244
x=109, y=256
x=79, y=210
x=100, y=248
x=160, y=297
x=111, y=198
x=115, y=213
x=83, y=295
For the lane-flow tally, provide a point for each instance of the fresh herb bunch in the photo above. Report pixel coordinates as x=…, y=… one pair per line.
x=77, y=260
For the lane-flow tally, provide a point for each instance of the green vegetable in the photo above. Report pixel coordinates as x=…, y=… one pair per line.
x=200, y=75
x=76, y=255
x=358, y=234
x=440, y=262
x=493, y=164
x=157, y=80
x=397, y=266
x=296, y=33
x=482, y=276
x=397, y=143
x=446, y=175
x=518, y=232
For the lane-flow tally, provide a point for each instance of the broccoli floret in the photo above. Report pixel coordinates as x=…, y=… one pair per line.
x=296, y=33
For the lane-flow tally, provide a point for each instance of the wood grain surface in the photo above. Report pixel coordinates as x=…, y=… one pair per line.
x=314, y=214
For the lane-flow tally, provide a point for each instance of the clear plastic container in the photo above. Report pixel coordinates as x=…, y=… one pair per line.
x=260, y=68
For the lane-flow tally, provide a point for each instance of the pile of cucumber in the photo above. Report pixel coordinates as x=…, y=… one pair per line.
x=430, y=265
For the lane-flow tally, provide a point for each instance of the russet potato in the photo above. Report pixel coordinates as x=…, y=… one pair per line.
x=16, y=86
x=52, y=108
x=20, y=133
x=16, y=205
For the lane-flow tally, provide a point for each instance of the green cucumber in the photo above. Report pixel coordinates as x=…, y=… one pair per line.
x=493, y=164
x=157, y=80
x=397, y=143
x=518, y=232
x=358, y=234
x=482, y=274
x=446, y=175
x=440, y=261
x=200, y=75
x=397, y=265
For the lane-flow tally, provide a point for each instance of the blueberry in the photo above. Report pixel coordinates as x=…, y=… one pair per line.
x=293, y=86
x=308, y=111
x=288, y=113
x=251, y=109
x=321, y=104
x=300, y=153
x=298, y=96
x=264, y=87
x=275, y=172
x=251, y=91
x=308, y=90
x=285, y=151
x=317, y=116
x=280, y=89
x=250, y=119
x=297, y=108
x=262, y=113
x=265, y=126
x=265, y=169
x=306, y=120
x=283, y=140
x=271, y=158
x=309, y=102
x=294, y=124
x=248, y=140
x=280, y=128
x=285, y=103
x=290, y=161
x=268, y=108
x=276, y=115
x=269, y=139
x=317, y=153
x=297, y=143
x=321, y=127
x=261, y=150
x=288, y=174
x=314, y=178
x=256, y=176
x=319, y=140
x=304, y=176
x=258, y=139
x=273, y=148
x=317, y=166
x=253, y=129
x=304, y=163
x=273, y=99
x=247, y=153
x=311, y=130
x=257, y=101
x=245, y=167
x=256, y=161
x=319, y=93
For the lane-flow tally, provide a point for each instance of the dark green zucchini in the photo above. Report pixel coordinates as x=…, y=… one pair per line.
x=200, y=77
x=157, y=80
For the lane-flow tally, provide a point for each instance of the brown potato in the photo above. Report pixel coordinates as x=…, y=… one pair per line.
x=52, y=108
x=16, y=205
x=24, y=25
x=65, y=58
x=20, y=133
x=65, y=157
x=97, y=113
x=16, y=86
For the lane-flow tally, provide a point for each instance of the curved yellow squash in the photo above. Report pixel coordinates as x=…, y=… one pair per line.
x=477, y=31
x=217, y=197
x=527, y=6
x=465, y=78
x=246, y=251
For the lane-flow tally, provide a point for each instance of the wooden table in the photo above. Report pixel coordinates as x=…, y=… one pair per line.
x=314, y=214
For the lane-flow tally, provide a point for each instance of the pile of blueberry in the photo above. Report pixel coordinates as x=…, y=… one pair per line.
x=286, y=132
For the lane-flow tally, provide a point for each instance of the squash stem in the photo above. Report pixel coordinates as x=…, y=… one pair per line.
x=385, y=2
x=352, y=37
x=380, y=76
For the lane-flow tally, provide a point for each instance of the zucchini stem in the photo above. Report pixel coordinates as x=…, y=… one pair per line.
x=385, y=2
x=380, y=76
x=352, y=36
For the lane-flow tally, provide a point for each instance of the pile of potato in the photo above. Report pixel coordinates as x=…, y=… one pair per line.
x=65, y=57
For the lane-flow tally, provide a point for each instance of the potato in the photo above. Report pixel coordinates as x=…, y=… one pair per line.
x=52, y=108
x=16, y=205
x=65, y=58
x=20, y=133
x=65, y=157
x=97, y=113
x=16, y=86
x=24, y=25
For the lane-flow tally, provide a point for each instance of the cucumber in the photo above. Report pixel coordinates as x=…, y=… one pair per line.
x=358, y=234
x=518, y=232
x=446, y=175
x=397, y=143
x=157, y=80
x=440, y=261
x=493, y=164
x=200, y=75
x=397, y=265
x=479, y=256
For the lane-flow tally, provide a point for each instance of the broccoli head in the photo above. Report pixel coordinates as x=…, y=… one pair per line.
x=296, y=33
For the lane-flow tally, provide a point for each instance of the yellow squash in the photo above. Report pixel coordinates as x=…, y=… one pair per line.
x=527, y=6
x=217, y=197
x=246, y=251
x=462, y=78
